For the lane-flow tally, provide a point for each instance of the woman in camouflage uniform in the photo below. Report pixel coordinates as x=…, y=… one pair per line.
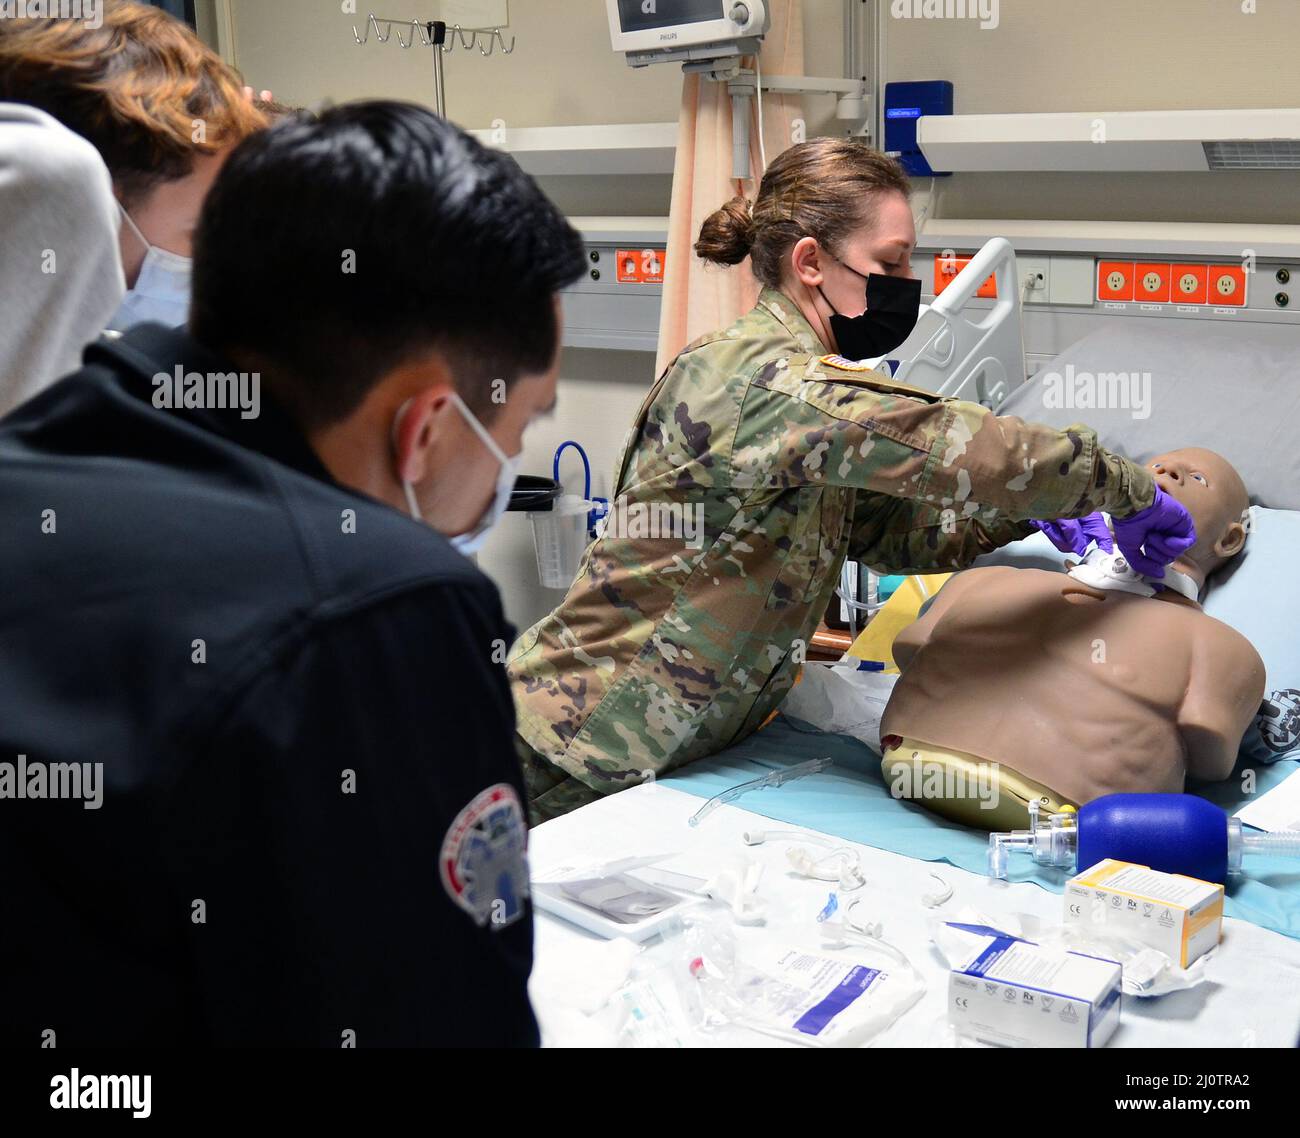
x=757, y=464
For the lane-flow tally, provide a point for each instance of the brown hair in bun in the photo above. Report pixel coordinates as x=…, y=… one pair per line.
x=823, y=188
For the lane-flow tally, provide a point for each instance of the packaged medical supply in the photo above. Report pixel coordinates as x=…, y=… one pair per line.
x=1016, y=993
x=818, y=997
x=647, y=1021
x=610, y=901
x=1181, y=917
x=621, y=898
x=1173, y=833
x=798, y=994
x=1146, y=972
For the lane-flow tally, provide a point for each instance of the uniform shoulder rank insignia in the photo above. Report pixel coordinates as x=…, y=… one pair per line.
x=482, y=860
x=839, y=363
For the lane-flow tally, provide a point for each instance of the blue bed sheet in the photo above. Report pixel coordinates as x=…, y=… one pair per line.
x=851, y=801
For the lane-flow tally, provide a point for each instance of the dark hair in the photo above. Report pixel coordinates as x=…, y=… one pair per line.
x=274, y=110
x=137, y=87
x=333, y=248
x=823, y=188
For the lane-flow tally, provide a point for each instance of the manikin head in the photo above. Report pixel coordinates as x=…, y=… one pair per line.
x=1211, y=490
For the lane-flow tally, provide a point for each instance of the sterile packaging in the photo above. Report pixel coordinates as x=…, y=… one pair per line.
x=840, y=996
x=1015, y=993
x=611, y=903
x=823, y=1000
x=1181, y=917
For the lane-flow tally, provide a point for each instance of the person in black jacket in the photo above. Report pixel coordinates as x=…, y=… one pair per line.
x=257, y=777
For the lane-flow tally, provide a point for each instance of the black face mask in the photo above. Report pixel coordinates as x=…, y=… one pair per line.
x=893, y=307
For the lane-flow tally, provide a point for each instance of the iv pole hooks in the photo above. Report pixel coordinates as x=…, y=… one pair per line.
x=441, y=37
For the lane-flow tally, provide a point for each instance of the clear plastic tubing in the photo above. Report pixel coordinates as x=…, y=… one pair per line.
x=1173, y=833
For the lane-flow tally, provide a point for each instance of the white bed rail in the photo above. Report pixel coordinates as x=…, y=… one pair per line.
x=973, y=354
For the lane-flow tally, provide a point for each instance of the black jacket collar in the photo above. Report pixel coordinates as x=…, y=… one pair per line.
x=150, y=350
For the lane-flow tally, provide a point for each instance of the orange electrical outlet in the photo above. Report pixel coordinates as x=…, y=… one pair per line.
x=1191, y=283
x=1115, y=280
x=640, y=266
x=1151, y=283
x=946, y=270
x=628, y=262
x=652, y=265
x=1227, y=285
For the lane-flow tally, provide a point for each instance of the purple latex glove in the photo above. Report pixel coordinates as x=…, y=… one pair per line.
x=1152, y=538
x=1074, y=535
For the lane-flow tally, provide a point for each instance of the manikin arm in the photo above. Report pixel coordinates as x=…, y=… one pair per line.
x=1225, y=686
x=917, y=634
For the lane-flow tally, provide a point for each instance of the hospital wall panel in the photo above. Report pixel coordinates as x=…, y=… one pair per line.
x=563, y=72
x=1109, y=55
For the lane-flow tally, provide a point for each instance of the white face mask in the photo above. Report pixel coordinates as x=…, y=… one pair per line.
x=471, y=542
x=162, y=291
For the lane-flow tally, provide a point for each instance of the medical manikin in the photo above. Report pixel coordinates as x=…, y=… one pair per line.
x=1021, y=683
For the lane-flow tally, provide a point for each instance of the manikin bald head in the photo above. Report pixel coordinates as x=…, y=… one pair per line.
x=1212, y=491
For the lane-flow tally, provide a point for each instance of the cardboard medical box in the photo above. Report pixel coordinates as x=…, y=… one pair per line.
x=1179, y=916
x=1009, y=991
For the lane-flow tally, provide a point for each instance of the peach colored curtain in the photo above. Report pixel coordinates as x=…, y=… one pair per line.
x=699, y=297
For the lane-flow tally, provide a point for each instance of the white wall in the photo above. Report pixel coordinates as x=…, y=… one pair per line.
x=562, y=70
x=1111, y=55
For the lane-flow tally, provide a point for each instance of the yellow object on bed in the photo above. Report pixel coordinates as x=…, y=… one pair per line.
x=876, y=641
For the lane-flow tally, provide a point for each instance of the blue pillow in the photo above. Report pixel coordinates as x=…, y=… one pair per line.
x=1256, y=595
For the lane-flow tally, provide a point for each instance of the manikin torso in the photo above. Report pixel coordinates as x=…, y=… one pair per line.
x=1086, y=692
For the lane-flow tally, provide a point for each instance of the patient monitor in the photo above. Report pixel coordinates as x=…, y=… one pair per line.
x=688, y=31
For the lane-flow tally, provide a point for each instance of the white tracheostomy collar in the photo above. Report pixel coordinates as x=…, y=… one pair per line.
x=1111, y=572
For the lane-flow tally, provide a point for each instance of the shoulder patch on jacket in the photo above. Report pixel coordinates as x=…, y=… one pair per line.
x=862, y=375
x=839, y=363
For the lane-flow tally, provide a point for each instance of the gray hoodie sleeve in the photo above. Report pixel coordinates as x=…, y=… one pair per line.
x=60, y=264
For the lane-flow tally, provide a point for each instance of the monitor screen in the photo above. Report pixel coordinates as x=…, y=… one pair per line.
x=181, y=9
x=647, y=15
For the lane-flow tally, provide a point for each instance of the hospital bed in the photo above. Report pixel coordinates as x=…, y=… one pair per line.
x=1206, y=387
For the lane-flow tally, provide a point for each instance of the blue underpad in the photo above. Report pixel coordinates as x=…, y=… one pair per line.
x=851, y=801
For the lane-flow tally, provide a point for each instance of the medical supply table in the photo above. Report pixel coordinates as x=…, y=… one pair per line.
x=1251, y=999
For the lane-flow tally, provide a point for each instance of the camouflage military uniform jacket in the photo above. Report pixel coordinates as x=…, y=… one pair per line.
x=672, y=644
